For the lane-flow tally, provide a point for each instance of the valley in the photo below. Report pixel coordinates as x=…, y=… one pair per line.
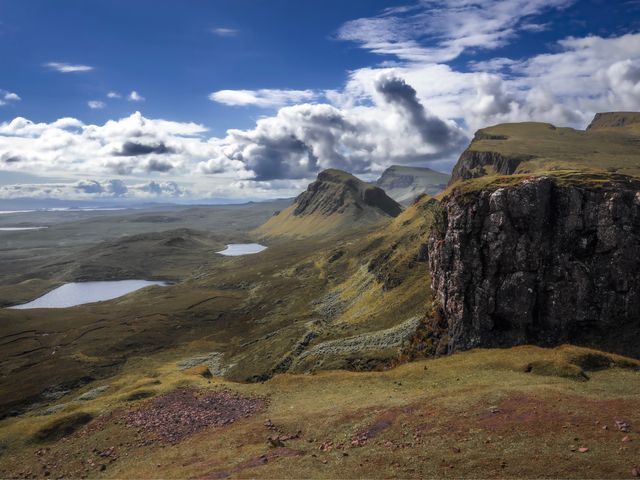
x=486, y=330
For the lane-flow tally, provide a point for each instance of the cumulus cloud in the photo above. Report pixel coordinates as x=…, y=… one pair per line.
x=7, y=97
x=113, y=95
x=96, y=104
x=135, y=97
x=131, y=145
x=265, y=98
x=302, y=139
x=67, y=67
x=581, y=77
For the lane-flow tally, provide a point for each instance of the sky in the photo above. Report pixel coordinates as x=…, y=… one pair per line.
x=195, y=100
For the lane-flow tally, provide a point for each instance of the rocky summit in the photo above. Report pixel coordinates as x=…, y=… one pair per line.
x=336, y=198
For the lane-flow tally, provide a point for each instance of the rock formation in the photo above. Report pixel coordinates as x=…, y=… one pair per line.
x=335, y=200
x=541, y=260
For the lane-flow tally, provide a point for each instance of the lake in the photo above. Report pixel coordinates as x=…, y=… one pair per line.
x=72, y=294
x=235, y=249
x=19, y=229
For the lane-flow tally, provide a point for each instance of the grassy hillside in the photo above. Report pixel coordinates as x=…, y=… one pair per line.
x=521, y=412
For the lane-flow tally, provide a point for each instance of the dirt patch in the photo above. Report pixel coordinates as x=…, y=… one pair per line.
x=177, y=415
x=254, y=462
x=539, y=416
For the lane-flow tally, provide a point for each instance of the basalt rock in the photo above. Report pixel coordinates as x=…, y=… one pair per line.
x=474, y=163
x=539, y=263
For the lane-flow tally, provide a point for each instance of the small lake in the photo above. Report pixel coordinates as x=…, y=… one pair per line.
x=19, y=229
x=236, y=249
x=72, y=294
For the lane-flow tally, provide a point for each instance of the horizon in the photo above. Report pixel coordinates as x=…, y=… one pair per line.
x=248, y=100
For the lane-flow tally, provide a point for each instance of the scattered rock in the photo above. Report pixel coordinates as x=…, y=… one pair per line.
x=93, y=393
x=583, y=449
x=179, y=414
x=623, y=426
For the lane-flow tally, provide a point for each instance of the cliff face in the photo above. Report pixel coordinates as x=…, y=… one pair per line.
x=540, y=263
x=474, y=164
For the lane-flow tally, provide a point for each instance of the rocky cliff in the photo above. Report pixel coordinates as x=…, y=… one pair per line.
x=539, y=262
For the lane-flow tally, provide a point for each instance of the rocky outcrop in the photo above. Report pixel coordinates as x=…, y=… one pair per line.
x=336, y=192
x=539, y=263
x=473, y=163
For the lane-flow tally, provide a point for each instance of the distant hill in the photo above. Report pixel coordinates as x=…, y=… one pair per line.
x=334, y=201
x=404, y=184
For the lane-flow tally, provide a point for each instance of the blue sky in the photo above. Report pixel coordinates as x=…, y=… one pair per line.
x=168, y=51
x=304, y=85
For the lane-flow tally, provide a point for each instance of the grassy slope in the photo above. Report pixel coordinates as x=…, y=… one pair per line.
x=565, y=150
x=521, y=412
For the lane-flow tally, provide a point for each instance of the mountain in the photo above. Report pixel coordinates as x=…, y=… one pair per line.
x=538, y=238
x=404, y=184
x=336, y=200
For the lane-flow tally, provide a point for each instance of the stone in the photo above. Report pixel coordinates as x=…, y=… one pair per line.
x=539, y=263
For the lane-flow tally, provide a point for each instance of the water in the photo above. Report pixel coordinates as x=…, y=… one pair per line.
x=19, y=229
x=235, y=249
x=72, y=294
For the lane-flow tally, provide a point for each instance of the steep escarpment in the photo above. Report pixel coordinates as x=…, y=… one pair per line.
x=334, y=201
x=404, y=184
x=614, y=120
x=539, y=262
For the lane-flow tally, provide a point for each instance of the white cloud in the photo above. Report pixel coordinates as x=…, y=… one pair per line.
x=433, y=31
x=8, y=97
x=129, y=146
x=303, y=139
x=266, y=98
x=113, y=95
x=225, y=32
x=96, y=104
x=135, y=97
x=67, y=67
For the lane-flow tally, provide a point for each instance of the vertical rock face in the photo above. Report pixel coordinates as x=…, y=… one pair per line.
x=539, y=263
